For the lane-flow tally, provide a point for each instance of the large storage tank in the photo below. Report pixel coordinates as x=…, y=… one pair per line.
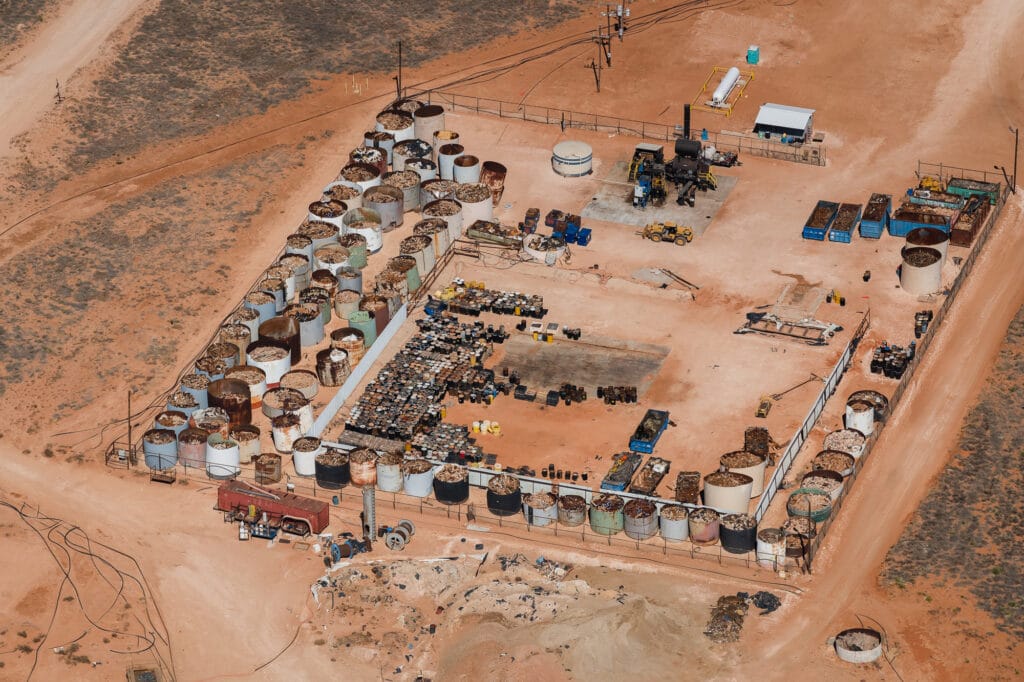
x=606, y=514
x=749, y=464
x=305, y=450
x=931, y=237
x=222, y=458
x=192, y=447
x=675, y=523
x=417, y=477
x=540, y=509
x=640, y=519
x=921, y=272
x=572, y=158
x=728, y=491
x=451, y=484
x=738, y=533
x=728, y=82
x=331, y=468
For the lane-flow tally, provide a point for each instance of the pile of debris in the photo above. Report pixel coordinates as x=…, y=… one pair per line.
x=728, y=613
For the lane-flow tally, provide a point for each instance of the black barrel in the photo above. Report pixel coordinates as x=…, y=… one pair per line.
x=455, y=491
x=504, y=497
x=284, y=330
x=332, y=471
x=741, y=537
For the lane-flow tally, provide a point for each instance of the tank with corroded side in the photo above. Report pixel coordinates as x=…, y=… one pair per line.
x=393, y=285
x=278, y=401
x=321, y=233
x=365, y=222
x=389, y=472
x=441, y=138
x=346, y=191
x=362, y=174
x=363, y=467
x=311, y=323
x=320, y=297
x=380, y=139
x=466, y=169
x=704, y=526
x=227, y=353
x=475, y=198
x=504, y=496
x=212, y=420
x=160, y=449
x=834, y=460
x=640, y=519
x=437, y=230
x=606, y=514
x=408, y=267
x=421, y=249
x=238, y=335
x=540, y=508
x=389, y=204
x=738, y=533
x=285, y=430
x=398, y=123
x=350, y=340
x=493, y=175
x=408, y=150
x=330, y=211
x=451, y=484
x=332, y=367
x=921, y=271
x=183, y=402
x=771, y=548
x=377, y=306
x=846, y=440
x=232, y=396
x=728, y=492
x=248, y=439
x=424, y=168
x=175, y=420
x=197, y=385
x=408, y=182
x=222, y=457
x=304, y=453
x=675, y=523
x=371, y=156
x=859, y=645
x=249, y=317
x=192, y=447
x=268, y=468
x=299, y=244
x=418, y=477
x=253, y=377
x=332, y=469
x=572, y=510
x=749, y=464
x=427, y=120
x=284, y=331
x=357, y=249
x=448, y=210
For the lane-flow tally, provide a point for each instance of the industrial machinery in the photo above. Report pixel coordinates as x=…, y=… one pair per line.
x=763, y=407
x=668, y=232
x=645, y=155
x=648, y=431
x=814, y=332
x=397, y=537
x=690, y=166
x=344, y=550
x=647, y=173
x=287, y=512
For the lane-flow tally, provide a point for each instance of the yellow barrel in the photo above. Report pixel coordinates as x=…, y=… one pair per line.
x=476, y=427
x=496, y=428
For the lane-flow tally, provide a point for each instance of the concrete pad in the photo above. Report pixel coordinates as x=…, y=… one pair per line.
x=613, y=203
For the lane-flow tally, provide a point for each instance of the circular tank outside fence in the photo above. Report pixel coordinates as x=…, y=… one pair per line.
x=606, y=514
x=417, y=477
x=540, y=509
x=572, y=158
x=859, y=645
x=389, y=472
x=640, y=519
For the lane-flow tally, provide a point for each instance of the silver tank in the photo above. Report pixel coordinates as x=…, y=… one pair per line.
x=389, y=202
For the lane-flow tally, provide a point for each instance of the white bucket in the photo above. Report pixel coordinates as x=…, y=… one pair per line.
x=771, y=552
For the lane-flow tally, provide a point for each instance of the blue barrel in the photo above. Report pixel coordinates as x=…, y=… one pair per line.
x=160, y=447
x=363, y=321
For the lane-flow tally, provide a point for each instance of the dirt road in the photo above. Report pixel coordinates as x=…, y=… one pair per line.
x=29, y=76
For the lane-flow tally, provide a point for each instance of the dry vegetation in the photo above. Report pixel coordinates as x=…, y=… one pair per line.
x=190, y=67
x=18, y=17
x=968, y=530
x=146, y=254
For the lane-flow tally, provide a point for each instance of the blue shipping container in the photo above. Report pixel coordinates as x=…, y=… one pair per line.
x=816, y=233
x=875, y=219
x=840, y=236
x=583, y=238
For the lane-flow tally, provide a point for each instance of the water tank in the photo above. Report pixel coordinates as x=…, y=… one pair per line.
x=417, y=477
x=572, y=158
x=541, y=509
x=921, y=272
x=729, y=80
x=675, y=523
x=572, y=510
x=606, y=514
x=389, y=472
x=728, y=491
x=640, y=519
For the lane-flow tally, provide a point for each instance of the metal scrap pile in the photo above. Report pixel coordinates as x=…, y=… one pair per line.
x=727, y=615
x=445, y=356
x=474, y=299
x=448, y=442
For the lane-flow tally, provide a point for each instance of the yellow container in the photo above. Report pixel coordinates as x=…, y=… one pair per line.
x=496, y=428
x=444, y=413
x=536, y=335
x=518, y=311
x=551, y=338
x=476, y=427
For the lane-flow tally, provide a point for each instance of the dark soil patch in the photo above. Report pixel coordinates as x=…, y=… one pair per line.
x=18, y=18
x=968, y=532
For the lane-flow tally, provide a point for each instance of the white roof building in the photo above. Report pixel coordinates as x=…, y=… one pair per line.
x=783, y=119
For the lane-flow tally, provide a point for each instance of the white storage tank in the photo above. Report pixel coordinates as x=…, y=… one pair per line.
x=728, y=491
x=222, y=457
x=860, y=415
x=921, y=272
x=475, y=198
x=675, y=523
x=572, y=158
x=540, y=509
x=729, y=80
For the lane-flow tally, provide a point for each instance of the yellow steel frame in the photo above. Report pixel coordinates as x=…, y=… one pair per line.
x=731, y=100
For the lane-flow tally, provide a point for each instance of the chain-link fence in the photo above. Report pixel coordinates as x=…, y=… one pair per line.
x=813, y=153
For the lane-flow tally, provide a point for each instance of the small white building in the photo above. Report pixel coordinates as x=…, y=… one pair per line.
x=779, y=119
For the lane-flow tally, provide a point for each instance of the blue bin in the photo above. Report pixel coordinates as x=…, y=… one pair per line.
x=583, y=237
